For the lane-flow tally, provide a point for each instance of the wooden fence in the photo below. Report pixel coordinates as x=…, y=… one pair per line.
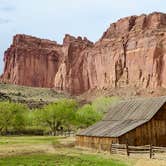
x=147, y=149
x=123, y=149
x=64, y=133
x=118, y=149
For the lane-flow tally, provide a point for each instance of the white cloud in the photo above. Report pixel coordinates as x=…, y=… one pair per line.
x=4, y=21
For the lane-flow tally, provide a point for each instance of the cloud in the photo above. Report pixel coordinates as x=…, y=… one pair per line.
x=7, y=8
x=4, y=21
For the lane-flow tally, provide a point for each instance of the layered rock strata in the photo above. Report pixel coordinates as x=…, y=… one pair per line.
x=132, y=52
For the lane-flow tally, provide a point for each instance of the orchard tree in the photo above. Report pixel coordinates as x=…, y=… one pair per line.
x=58, y=115
x=103, y=104
x=87, y=116
x=12, y=115
x=32, y=118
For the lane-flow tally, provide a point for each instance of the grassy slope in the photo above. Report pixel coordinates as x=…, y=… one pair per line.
x=29, y=95
x=46, y=151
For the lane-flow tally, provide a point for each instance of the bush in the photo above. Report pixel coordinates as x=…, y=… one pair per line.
x=57, y=116
x=87, y=116
x=63, y=115
x=103, y=104
x=26, y=131
x=12, y=115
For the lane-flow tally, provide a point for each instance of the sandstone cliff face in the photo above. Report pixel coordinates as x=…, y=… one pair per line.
x=131, y=53
x=71, y=76
x=31, y=61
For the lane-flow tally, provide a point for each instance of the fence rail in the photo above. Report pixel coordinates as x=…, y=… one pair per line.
x=147, y=149
x=64, y=133
x=159, y=149
x=123, y=149
x=118, y=148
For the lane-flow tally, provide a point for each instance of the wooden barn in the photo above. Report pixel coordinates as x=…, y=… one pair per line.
x=136, y=122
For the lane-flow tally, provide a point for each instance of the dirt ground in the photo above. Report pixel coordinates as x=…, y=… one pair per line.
x=144, y=162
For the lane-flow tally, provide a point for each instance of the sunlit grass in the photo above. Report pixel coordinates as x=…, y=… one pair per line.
x=58, y=160
x=49, y=151
x=27, y=140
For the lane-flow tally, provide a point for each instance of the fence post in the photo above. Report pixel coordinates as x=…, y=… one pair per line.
x=68, y=133
x=151, y=151
x=127, y=149
x=111, y=148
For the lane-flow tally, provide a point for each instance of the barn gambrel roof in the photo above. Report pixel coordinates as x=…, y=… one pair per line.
x=125, y=116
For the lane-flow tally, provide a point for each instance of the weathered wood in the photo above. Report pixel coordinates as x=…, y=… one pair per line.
x=118, y=146
x=163, y=148
x=138, y=121
x=151, y=151
x=158, y=149
x=141, y=152
x=126, y=116
x=127, y=149
x=139, y=147
x=152, y=132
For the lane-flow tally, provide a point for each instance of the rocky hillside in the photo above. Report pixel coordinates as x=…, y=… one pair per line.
x=131, y=53
x=33, y=97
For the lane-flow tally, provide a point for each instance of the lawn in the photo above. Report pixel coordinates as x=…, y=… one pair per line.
x=49, y=151
x=58, y=160
x=29, y=140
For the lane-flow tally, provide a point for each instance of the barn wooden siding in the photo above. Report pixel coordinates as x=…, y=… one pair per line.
x=136, y=122
x=99, y=143
x=152, y=132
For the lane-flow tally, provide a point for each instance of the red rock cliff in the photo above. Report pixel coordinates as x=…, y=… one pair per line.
x=31, y=61
x=71, y=76
x=132, y=52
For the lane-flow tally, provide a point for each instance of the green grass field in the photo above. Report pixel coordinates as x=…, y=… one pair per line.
x=58, y=160
x=48, y=151
x=28, y=140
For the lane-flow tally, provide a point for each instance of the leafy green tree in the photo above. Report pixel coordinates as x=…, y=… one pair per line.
x=87, y=116
x=58, y=115
x=32, y=118
x=12, y=115
x=103, y=104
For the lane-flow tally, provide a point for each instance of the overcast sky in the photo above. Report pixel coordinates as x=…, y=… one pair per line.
x=52, y=19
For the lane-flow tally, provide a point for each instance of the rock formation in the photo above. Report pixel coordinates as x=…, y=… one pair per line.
x=132, y=52
x=31, y=61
